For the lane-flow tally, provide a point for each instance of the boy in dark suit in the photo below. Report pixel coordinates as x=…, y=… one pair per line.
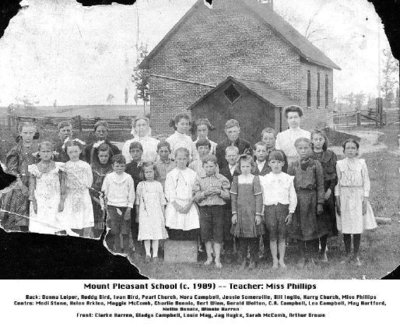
x=229, y=170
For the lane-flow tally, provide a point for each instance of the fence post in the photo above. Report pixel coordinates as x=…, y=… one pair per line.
x=379, y=110
x=358, y=118
x=79, y=120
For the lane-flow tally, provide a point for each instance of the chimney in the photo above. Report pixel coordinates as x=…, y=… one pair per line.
x=269, y=3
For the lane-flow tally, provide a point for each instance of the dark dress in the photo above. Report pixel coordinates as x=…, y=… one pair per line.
x=17, y=161
x=309, y=185
x=327, y=221
x=99, y=173
x=88, y=151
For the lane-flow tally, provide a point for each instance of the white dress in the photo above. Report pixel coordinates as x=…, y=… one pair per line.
x=78, y=209
x=47, y=193
x=150, y=198
x=179, y=187
x=149, y=145
x=179, y=140
x=353, y=185
x=285, y=142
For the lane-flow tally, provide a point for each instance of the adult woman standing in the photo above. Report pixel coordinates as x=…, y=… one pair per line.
x=285, y=140
x=101, y=134
x=141, y=132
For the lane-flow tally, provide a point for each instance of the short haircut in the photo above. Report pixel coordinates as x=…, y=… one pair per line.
x=44, y=144
x=104, y=147
x=27, y=124
x=261, y=143
x=182, y=150
x=119, y=159
x=153, y=166
x=63, y=124
x=135, y=145
x=301, y=140
x=163, y=144
x=293, y=108
x=268, y=130
x=78, y=143
x=200, y=143
x=209, y=157
x=100, y=123
x=246, y=158
x=231, y=123
x=323, y=134
x=350, y=140
x=231, y=148
x=276, y=155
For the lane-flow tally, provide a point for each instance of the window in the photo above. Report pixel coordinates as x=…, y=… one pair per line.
x=319, y=90
x=326, y=91
x=308, y=89
x=232, y=94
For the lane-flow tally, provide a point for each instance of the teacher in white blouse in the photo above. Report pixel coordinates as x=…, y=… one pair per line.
x=285, y=140
x=141, y=133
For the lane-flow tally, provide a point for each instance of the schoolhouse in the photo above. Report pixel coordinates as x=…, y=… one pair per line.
x=238, y=59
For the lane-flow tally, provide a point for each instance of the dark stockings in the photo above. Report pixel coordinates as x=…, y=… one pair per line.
x=323, y=240
x=356, y=243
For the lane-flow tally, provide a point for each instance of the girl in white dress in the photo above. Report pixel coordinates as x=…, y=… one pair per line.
x=150, y=207
x=354, y=212
x=45, y=184
x=181, y=139
x=182, y=217
x=78, y=209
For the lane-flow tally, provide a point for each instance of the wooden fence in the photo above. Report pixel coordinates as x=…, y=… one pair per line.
x=78, y=123
x=364, y=118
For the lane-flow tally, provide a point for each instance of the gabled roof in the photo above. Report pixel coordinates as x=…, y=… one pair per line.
x=300, y=44
x=259, y=89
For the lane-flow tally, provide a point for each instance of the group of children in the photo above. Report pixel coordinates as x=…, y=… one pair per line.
x=222, y=195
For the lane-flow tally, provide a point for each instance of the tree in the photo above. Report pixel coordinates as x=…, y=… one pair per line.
x=390, y=74
x=126, y=96
x=359, y=99
x=141, y=77
x=110, y=98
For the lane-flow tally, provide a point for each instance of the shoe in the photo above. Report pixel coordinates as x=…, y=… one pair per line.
x=218, y=264
x=243, y=265
x=324, y=257
x=147, y=259
x=347, y=259
x=301, y=263
x=208, y=262
x=252, y=265
x=357, y=262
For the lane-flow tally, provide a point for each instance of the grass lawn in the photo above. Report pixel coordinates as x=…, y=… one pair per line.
x=380, y=249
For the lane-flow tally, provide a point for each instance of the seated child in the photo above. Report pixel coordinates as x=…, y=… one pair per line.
x=280, y=202
x=211, y=191
x=120, y=195
x=309, y=185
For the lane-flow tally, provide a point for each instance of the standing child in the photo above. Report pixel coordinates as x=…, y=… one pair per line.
x=268, y=136
x=17, y=161
x=261, y=154
x=182, y=218
x=181, y=139
x=280, y=202
x=202, y=127
x=78, y=209
x=203, y=148
x=134, y=169
x=247, y=205
x=229, y=171
x=119, y=190
x=164, y=164
x=211, y=191
x=101, y=166
x=327, y=158
x=150, y=207
x=352, y=191
x=45, y=186
x=65, y=134
x=309, y=185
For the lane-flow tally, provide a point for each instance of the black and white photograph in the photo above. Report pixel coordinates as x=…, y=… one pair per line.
x=190, y=139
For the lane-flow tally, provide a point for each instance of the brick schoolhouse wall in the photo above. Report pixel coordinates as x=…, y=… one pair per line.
x=213, y=44
x=315, y=115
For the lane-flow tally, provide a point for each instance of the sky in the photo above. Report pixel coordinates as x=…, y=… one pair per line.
x=61, y=51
